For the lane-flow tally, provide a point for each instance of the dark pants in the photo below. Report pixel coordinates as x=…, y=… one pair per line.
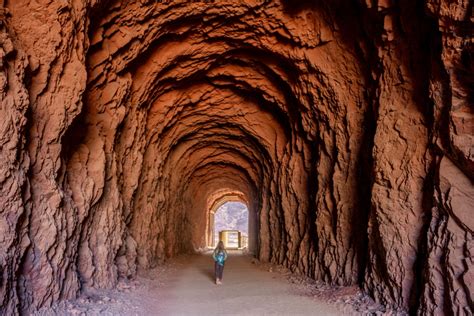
x=219, y=270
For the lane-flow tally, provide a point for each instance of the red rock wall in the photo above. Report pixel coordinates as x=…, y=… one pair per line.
x=347, y=126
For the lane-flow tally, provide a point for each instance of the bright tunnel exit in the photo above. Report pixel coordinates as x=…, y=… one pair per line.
x=231, y=225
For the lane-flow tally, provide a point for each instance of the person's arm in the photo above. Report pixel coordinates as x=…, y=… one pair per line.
x=225, y=255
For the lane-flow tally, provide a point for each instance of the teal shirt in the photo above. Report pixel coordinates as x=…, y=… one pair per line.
x=219, y=256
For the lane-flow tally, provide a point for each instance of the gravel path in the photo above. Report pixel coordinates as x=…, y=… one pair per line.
x=185, y=286
x=246, y=290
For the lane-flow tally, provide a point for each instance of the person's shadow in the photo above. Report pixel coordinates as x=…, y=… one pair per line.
x=209, y=272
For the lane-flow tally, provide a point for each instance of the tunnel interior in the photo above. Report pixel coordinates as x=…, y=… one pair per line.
x=341, y=125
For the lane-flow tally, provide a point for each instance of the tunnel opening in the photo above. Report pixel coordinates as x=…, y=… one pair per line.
x=232, y=219
x=231, y=225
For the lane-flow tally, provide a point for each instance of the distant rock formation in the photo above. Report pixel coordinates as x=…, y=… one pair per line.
x=232, y=216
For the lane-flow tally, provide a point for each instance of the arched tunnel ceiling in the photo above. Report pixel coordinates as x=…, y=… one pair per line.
x=343, y=125
x=225, y=195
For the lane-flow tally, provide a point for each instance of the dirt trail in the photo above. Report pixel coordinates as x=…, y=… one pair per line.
x=185, y=286
x=246, y=290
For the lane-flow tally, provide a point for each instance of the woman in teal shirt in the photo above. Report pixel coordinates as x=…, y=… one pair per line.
x=220, y=256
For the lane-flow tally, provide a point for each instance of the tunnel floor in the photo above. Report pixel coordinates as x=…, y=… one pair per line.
x=184, y=286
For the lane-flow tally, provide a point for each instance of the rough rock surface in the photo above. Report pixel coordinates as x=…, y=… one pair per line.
x=345, y=126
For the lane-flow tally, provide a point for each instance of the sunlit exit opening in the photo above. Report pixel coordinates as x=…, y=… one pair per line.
x=231, y=225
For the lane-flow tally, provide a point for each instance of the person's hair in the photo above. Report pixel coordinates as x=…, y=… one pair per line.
x=220, y=245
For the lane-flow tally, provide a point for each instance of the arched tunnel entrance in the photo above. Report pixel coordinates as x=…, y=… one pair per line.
x=343, y=126
x=232, y=217
x=231, y=212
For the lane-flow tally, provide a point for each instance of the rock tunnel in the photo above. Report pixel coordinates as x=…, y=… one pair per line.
x=346, y=127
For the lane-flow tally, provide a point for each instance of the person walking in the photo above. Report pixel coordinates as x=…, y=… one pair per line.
x=220, y=256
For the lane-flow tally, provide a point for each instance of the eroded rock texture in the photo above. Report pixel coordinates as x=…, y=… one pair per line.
x=345, y=126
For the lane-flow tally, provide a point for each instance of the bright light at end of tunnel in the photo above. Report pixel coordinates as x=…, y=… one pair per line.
x=229, y=219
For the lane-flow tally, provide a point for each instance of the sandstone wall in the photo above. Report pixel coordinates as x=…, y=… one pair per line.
x=347, y=127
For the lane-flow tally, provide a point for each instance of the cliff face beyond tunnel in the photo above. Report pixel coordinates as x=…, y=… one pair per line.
x=346, y=127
